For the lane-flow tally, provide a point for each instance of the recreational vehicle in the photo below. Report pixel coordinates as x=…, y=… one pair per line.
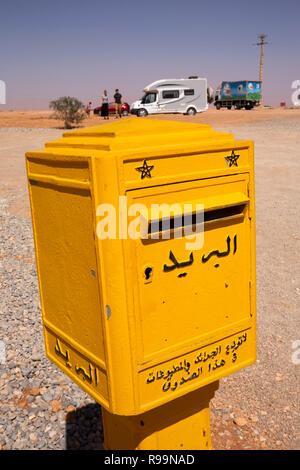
x=184, y=95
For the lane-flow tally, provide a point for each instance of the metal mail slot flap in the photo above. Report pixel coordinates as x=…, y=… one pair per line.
x=163, y=217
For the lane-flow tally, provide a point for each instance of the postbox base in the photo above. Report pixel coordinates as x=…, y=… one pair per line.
x=181, y=424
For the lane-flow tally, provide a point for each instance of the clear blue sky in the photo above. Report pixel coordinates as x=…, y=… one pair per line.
x=74, y=47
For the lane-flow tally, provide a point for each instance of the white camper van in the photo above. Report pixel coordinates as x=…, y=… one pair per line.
x=183, y=95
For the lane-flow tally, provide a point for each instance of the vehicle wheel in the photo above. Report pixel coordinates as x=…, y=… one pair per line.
x=248, y=107
x=142, y=112
x=228, y=107
x=191, y=112
x=218, y=106
x=125, y=112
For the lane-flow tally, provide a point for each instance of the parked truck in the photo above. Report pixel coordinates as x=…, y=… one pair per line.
x=242, y=94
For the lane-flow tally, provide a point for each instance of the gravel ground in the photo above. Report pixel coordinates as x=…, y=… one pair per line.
x=265, y=396
x=255, y=408
x=40, y=407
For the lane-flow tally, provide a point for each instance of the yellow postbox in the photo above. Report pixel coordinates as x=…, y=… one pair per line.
x=142, y=321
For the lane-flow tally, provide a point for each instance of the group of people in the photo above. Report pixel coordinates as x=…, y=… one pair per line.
x=104, y=105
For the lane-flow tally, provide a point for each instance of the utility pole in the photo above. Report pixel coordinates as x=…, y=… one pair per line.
x=261, y=44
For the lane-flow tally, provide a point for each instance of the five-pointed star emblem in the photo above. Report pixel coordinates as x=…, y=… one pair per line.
x=145, y=170
x=232, y=159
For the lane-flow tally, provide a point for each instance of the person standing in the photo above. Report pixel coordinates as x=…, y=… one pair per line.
x=118, y=103
x=88, y=109
x=104, y=105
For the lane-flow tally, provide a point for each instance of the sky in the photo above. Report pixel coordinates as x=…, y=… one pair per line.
x=79, y=48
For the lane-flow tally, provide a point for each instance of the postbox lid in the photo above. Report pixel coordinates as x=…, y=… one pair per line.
x=136, y=133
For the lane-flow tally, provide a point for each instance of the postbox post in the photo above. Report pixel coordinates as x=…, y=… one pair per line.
x=179, y=425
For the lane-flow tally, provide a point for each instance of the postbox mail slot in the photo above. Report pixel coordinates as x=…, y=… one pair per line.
x=165, y=218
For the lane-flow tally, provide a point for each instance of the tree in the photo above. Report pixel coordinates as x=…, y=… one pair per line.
x=68, y=109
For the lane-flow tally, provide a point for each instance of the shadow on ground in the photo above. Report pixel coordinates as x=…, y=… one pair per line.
x=84, y=429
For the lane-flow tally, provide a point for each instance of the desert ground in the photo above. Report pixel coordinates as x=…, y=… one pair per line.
x=44, y=119
x=256, y=408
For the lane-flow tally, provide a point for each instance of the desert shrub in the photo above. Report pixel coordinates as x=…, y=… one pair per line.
x=68, y=109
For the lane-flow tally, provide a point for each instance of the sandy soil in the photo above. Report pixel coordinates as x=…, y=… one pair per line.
x=223, y=117
x=259, y=406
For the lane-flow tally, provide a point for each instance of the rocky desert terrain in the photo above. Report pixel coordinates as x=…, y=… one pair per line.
x=256, y=408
